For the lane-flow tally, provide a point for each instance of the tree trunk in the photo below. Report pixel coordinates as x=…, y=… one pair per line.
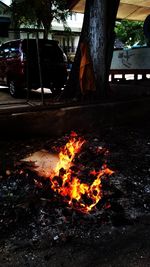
x=98, y=34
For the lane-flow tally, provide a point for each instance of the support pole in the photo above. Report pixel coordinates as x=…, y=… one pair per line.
x=39, y=67
x=27, y=67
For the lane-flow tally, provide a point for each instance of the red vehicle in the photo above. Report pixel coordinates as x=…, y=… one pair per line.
x=21, y=60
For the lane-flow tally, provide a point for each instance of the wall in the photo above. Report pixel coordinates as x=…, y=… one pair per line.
x=137, y=58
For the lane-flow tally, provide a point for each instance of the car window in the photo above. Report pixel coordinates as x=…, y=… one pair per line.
x=8, y=51
x=11, y=50
x=4, y=51
x=1, y=53
x=29, y=50
x=14, y=52
x=48, y=51
x=52, y=52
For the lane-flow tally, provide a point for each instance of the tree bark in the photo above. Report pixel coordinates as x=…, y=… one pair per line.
x=98, y=34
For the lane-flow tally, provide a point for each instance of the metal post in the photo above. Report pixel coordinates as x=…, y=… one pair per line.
x=39, y=67
x=27, y=68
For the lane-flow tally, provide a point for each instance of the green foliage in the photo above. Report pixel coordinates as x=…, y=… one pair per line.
x=130, y=32
x=39, y=13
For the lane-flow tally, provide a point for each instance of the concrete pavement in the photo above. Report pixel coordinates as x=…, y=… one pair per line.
x=129, y=104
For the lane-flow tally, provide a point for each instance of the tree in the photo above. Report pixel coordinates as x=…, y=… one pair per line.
x=130, y=32
x=38, y=13
x=98, y=34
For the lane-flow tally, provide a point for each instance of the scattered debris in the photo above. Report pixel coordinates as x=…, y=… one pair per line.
x=35, y=218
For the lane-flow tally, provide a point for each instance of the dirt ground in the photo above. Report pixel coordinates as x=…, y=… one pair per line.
x=37, y=229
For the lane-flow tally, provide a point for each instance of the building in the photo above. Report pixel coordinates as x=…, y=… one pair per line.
x=5, y=19
x=68, y=40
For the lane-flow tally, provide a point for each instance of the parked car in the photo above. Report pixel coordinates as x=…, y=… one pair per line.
x=19, y=65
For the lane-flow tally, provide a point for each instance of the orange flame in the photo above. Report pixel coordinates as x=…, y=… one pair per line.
x=65, y=182
x=68, y=153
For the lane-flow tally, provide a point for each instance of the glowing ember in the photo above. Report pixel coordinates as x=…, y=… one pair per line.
x=65, y=181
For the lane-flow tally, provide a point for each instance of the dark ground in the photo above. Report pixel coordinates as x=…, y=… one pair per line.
x=40, y=230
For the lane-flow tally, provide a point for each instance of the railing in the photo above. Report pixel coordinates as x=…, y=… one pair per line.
x=129, y=74
x=131, y=64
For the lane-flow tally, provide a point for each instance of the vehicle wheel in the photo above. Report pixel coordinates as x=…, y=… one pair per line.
x=13, y=90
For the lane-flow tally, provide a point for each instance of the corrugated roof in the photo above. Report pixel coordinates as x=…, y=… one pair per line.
x=128, y=9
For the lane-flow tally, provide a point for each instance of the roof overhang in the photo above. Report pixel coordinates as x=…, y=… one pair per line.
x=128, y=9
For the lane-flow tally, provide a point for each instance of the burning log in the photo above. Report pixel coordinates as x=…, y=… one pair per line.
x=79, y=185
x=42, y=162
